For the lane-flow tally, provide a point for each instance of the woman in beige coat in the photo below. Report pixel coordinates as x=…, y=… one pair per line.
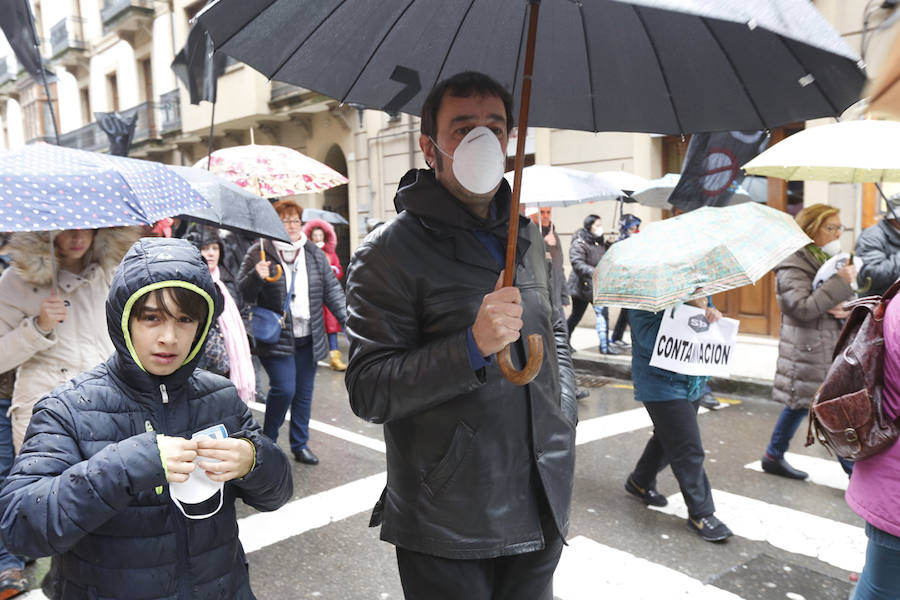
x=811, y=321
x=52, y=338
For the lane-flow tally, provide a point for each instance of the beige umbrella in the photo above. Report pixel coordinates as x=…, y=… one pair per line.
x=846, y=152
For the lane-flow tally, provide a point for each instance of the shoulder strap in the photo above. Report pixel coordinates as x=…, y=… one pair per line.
x=290, y=292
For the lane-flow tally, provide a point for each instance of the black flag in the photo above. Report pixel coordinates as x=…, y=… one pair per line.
x=16, y=21
x=198, y=67
x=119, y=131
x=712, y=167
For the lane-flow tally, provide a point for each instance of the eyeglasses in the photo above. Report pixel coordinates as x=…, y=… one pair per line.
x=291, y=221
x=833, y=228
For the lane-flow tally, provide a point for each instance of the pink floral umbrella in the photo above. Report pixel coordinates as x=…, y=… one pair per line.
x=272, y=171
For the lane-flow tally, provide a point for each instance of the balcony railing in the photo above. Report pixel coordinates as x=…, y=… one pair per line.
x=68, y=34
x=114, y=10
x=169, y=109
x=282, y=91
x=154, y=119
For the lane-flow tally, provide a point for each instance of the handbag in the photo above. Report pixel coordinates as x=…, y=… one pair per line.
x=266, y=324
x=846, y=414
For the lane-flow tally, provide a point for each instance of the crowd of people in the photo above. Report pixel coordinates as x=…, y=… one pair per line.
x=129, y=371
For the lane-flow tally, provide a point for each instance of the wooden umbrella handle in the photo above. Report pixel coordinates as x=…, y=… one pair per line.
x=278, y=271
x=530, y=371
x=535, y=342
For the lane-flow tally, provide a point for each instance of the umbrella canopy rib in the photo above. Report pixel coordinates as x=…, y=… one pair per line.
x=520, y=53
x=375, y=50
x=659, y=65
x=459, y=27
x=737, y=73
x=815, y=82
x=590, y=71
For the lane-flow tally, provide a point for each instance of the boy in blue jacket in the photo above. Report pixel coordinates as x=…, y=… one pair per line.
x=109, y=480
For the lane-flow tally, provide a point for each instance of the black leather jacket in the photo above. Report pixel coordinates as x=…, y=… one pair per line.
x=470, y=456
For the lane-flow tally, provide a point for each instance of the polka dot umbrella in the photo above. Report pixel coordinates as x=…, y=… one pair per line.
x=52, y=188
x=272, y=171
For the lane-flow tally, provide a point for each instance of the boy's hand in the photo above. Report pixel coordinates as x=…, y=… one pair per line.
x=179, y=455
x=236, y=456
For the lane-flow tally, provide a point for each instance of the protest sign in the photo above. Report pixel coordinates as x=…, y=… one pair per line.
x=689, y=344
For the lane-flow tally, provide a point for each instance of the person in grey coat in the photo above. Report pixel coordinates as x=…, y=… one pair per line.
x=879, y=249
x=811, y=321
x=291, y=361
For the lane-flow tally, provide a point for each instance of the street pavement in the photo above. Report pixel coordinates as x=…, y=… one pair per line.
x=793, y=540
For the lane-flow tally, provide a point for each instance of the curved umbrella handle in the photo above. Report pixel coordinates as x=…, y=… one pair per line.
x=278, y=270
x=530, y=371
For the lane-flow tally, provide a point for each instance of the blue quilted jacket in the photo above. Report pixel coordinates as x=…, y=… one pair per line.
x=88, y=486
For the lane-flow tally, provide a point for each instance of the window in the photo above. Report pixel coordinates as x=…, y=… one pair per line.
x=112, y=92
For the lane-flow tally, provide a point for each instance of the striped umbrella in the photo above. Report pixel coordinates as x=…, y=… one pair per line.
x=703, y=252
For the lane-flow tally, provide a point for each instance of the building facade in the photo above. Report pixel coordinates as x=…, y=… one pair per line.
x=115, y=56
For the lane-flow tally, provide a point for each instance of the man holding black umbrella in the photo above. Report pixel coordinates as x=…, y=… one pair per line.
x=480, y=471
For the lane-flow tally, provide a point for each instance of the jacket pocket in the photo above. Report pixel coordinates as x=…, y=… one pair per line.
x=437, y=479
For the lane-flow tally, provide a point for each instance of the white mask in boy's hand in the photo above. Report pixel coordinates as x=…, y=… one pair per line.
x=197, y=489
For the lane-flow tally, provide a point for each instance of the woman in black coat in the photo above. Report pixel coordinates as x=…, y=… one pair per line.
x=588, y=247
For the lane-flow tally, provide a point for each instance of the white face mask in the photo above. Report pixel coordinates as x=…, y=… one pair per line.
x=832, y=248
x=199, y=487
x=320, y=244
x=597, y=230
x=478, y=160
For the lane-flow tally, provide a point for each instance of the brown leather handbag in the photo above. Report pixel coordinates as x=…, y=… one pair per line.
x=846, y=413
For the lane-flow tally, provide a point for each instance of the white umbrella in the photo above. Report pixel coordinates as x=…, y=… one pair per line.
x=625, y=181
x=544, y=185
x=848, y=152
x=657, y=191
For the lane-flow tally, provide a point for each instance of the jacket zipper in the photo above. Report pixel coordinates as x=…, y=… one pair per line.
x=182, y=576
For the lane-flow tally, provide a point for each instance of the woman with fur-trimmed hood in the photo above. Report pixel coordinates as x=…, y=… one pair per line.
x=322, y=234
x=51, y=338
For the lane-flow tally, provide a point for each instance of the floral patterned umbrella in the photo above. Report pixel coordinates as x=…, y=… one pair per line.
x=703, y=252
x=272, y=171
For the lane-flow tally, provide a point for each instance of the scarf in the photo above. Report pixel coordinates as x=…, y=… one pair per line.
x=239, y=360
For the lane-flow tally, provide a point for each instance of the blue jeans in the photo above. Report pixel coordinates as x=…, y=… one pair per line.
x=880, y=579
x=332, y=341
x=788, y=422
x=7, y=455
x=291, y=380
x=601, y=325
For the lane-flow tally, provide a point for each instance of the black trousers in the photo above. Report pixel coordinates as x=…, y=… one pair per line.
x=526, y=576
x=676, y=442
x=578, y=308
x=621, y=324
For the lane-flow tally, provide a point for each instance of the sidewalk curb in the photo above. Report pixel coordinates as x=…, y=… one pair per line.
x=620, y=368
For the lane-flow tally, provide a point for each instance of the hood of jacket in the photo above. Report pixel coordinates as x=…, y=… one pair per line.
x=586, y=236
x=154, y=263
x=203, y=235
x=30, y=252
x=330, y=235
x=442, y=212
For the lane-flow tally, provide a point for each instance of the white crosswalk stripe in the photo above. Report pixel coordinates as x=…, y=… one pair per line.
x=832, y=542
x=622, y=575
x=827, y=472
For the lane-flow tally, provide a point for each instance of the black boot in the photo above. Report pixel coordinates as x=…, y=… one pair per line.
x=782, y=468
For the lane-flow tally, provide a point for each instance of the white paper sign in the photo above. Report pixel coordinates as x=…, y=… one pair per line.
x=689, y=344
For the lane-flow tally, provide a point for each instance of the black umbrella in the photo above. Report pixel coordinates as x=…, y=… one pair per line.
x=660, y=66
x=231, y=206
